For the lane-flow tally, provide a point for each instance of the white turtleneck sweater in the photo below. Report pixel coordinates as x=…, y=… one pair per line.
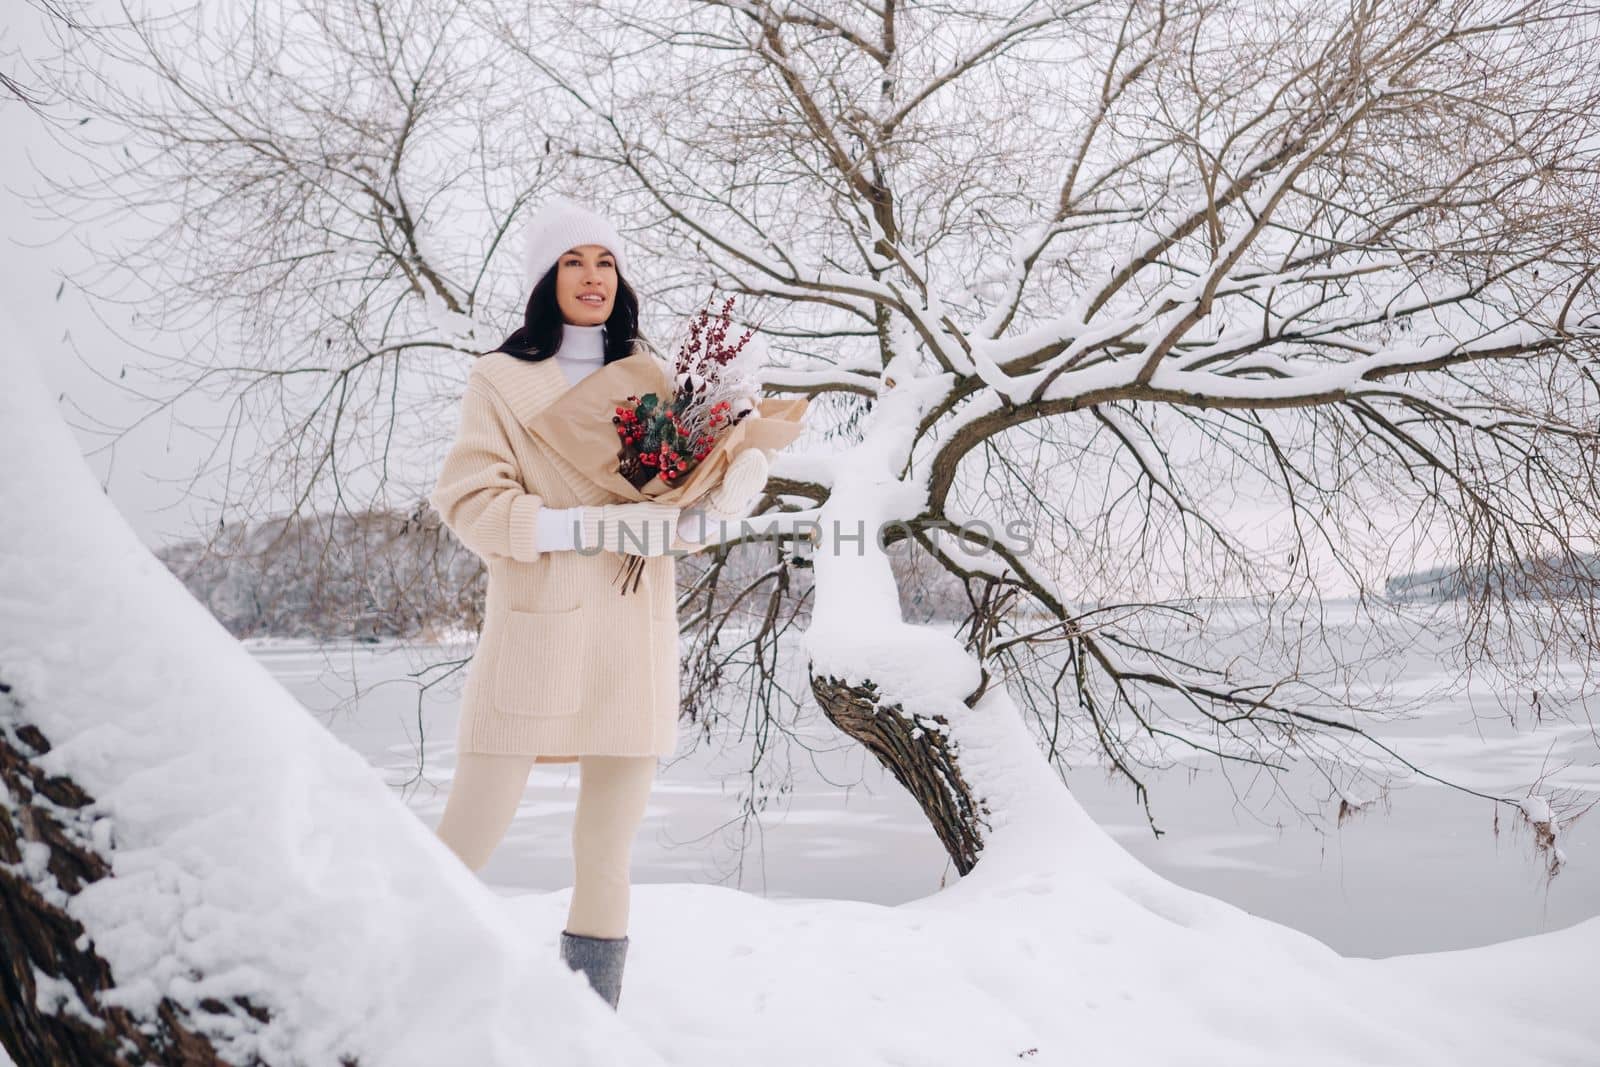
x=582, y=352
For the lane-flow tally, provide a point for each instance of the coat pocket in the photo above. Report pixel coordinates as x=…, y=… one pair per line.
x=540, y=668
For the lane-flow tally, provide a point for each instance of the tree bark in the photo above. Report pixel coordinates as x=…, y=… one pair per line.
x=916, y=749
x=68, y=1024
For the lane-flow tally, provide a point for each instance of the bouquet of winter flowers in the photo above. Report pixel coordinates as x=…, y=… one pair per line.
x=640, y=429
x=714, y=388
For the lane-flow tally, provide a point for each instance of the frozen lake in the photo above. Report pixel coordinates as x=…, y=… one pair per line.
x=1423, y=869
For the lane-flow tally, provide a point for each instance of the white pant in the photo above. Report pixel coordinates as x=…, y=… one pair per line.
x=612, y=793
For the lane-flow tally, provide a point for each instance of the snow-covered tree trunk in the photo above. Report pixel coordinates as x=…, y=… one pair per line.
x=892, y=686
x=918, y=750
x=54, y=987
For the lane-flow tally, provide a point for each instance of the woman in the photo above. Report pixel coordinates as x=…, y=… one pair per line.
x=567, y=669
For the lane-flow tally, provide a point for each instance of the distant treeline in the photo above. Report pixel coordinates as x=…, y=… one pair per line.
x=386, y=574
x=373, y=574
x=1577, y=576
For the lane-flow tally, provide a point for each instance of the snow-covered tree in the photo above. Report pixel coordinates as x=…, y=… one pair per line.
x=1120, y=281
x=1176, y=300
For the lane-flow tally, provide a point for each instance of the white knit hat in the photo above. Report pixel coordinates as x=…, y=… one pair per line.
x=562, y=224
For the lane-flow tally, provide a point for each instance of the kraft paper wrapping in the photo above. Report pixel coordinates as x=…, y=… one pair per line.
x=577, y=426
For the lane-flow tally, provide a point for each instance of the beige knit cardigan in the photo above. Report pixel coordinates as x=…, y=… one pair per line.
x=566, y=665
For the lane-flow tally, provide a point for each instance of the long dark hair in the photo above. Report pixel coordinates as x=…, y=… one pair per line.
x=539, y=336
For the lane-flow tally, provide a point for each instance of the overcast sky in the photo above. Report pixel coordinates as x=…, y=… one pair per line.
x=146, y=472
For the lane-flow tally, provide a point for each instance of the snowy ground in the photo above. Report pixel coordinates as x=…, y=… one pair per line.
x=253, y=851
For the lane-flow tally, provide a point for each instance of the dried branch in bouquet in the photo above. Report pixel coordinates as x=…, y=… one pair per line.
x=715, y=378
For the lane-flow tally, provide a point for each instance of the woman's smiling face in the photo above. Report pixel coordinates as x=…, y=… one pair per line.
x=586, y=284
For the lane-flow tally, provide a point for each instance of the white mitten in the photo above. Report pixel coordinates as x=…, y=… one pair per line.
x=691, y=525
x=556, y=529
x=636, y=529
x=741, y=485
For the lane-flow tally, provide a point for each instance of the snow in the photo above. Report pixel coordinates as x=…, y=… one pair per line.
x=255, y=853
x=1536, y=807
x=451, y=325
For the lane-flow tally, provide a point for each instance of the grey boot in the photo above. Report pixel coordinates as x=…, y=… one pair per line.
x=600, y=959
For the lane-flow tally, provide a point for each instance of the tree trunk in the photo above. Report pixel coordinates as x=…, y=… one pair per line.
x=65, y=1023
x=921, y=759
